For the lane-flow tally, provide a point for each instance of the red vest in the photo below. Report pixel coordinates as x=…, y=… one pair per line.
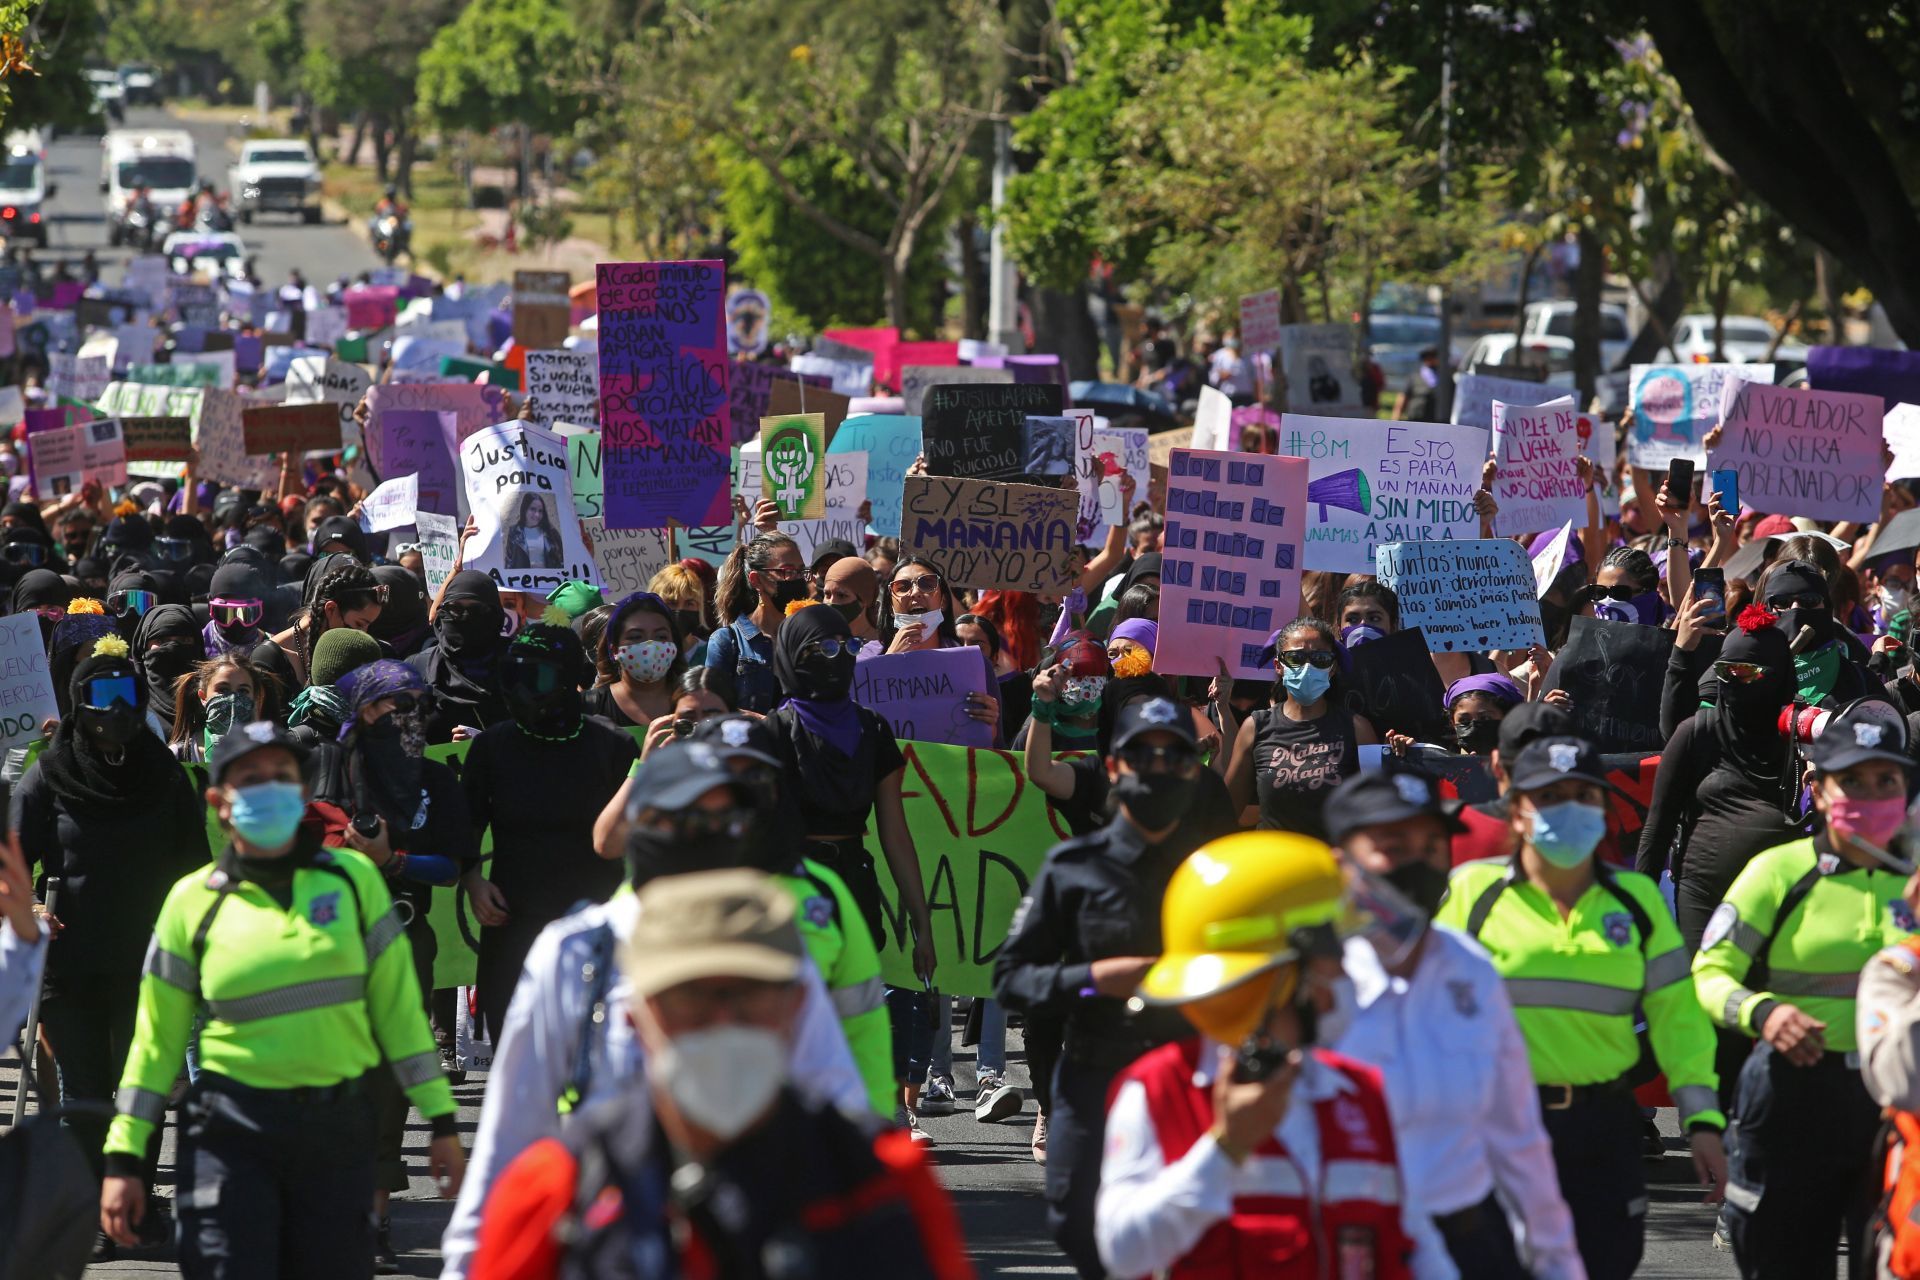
x=1902, y=1184
x=1349, y=1229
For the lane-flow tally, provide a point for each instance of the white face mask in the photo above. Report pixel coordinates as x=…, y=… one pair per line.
x=929, y=621
x=722, y=1079
x=1896, y=596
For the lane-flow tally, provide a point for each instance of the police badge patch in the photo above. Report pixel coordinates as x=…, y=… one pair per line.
x=324, y=909
x=1719, y=925
x=1618, y=926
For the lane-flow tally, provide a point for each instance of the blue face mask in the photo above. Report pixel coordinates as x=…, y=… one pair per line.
x=1307, y=684
x=267, y=814
x=1567, y=834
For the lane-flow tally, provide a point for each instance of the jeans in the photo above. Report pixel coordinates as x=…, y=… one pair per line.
x=993, y=1038
x=910, y=1013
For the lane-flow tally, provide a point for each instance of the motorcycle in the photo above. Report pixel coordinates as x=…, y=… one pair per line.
x=139, y=229
x=392, y=236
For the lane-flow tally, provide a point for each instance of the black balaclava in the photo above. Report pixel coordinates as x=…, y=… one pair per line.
x=1747, y=716
x=26, y=513
x=1801, y=577
x=167, y=645
x=479, y=637
x=541, y=677
x=238, y=580
x=816, y=679
x=403, y=619
x=135, y=581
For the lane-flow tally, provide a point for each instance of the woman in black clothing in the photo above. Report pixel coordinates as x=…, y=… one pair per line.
x=539, y=780
x=461, y=666
x=402, y=623
x=1294, y=753
x=167, y=645
x=1726, y=788
x=340, y=593
x=110, y=813
x=640, y=662
x=44, y=592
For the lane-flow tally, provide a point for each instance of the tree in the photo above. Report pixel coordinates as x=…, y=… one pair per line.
x=364, y=55
x=502, y=63
x=45, y=48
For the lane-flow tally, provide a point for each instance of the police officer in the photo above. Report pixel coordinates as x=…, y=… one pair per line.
x=1583, y=947
x=1087, y=933
x=296, y=958
x=1780, y=961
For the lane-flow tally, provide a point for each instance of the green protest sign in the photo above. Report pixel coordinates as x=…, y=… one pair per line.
x=791, y=476
x=583, y=464
x=180, y=374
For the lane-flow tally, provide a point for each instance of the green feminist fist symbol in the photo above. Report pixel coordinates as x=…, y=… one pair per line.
x=794, y=468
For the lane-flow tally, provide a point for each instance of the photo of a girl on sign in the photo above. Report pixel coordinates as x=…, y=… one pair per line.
x=532, y=541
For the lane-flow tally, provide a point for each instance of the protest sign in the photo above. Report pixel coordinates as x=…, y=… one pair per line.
x=628, y=558
x=1008, y=537
x=1674, y=405
x=916, y=379
x=891, y=443
x=324, y=380
x=26, y=687
x=1614, y=672
x=1049, y=445
x=175, y=374
x=391, y=505
x=157, y=439
x=1537, y=484
x=1118, y=453
x=1551, y=560
x=290, y=428
x=750, y=396
x=664, y=420
x=848, y=377
x=521, y=495
x=133, y=344
x=439, y=539
x=981, y=831
x=473, y=406
x=415, y=441
x=1213, y=422
x=1392, y=682
x=13, y=406
x=712, y=543
x=1371, y=482
x=923, y=695
x=62, y=461
x=371, y=306
x=1468, y=596
x=1894, y=376
x=1317, y=361
x=219, y=437
x=793, y=476
x=1086, y=472
x=195, y=303
x=1230, y=567
x=787, y=397
x=1474, y=394
x=1803, y=453
x=326, y=326
x=1901, y=428
x=583, y=464
x=979, y=432
x=562, y=387
x=542, y=311
x=1259, y=322
x=749, y=322
x=78, y=377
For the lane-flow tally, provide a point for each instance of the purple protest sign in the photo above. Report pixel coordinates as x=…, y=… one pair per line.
x=474, y=407
x=664, y=414
x=1040, y=368
x=416, y=440
x=38, y=420
x=1894, y=376
x=751, y=388
x=923, y=694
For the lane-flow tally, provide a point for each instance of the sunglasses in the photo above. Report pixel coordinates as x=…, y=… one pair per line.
x=1464, y=721
x=1298, y=658
x=1805, y=600
x=1178, y=759
x=104, y=691
x=408, y=701
x=688, y=823
x=907, y=586
x=25, y=553
x=228, y=612
x=1740, y=672
x=830, y=647
x=783, y=571
x=1618, y=591
x=52, y=612
x=122, y=603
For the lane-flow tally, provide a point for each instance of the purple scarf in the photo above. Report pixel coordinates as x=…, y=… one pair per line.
x=837, y=722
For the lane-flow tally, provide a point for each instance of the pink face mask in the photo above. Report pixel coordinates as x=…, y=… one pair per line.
x=1874, y=821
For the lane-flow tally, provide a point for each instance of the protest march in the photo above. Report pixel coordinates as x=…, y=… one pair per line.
x=943, y=641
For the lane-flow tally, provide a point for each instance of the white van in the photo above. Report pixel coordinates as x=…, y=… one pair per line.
x=23, y=188
x=161, y=160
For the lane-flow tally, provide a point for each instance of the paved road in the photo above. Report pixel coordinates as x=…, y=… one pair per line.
x=78, y=221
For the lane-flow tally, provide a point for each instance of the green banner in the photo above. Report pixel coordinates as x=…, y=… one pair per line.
x=178, y=374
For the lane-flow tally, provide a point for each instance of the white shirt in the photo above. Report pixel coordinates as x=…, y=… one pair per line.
x=535, y=1052
x=1149, y=1214
x=21, y=964
x=1466, y=1115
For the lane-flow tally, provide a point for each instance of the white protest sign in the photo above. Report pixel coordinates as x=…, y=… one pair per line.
x=1675, y=405
x=1371, y=482
x=64, y=459
x=846, y=481
x=1471, y=596
x=1474, y=394
x=1551, y=560
x=628, y=558
x=1085, y=470
x=1802, y=452
x=1118, y=453
x=324, y=380
x=850, y=377
x=521, y=496
x=439, y=540
x=326, y=326
x=26, y=686
x=1902, y=430
x=1538, y=482
x=392, y=505
x=133, y=344
x=563, y=386
x=1317, y=360
x=1260, y=322
x=13, y=406
x=1213, y=422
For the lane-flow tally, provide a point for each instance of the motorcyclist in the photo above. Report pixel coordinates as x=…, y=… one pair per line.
x=394, y=242
x=390, y=202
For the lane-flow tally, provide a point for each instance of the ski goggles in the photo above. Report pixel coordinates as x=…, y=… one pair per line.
x=134, y=602
x=228, y=613
x=103, y=691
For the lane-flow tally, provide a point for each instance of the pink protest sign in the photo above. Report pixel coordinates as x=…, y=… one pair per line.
x=1537, y=484
x=371, y=306
x=1801, y=452
x=1230, y=566
x=665, y=421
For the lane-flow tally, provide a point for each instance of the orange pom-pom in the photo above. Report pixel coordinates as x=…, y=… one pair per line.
x=85, y=604
x=798, y=605
x=1757, y=618
x=1134, y=662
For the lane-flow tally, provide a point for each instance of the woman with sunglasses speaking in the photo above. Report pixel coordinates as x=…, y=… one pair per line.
x=920, y=613
x=1726, y=787
x=757, y=584
x=110, y=813
x=1295, y=752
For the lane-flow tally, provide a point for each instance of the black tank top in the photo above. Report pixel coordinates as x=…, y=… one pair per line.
x=1297, y=762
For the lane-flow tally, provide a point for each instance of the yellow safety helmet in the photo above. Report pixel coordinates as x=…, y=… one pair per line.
x=1229, y=923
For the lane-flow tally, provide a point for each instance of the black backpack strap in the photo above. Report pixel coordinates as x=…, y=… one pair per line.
x=200, y=931
x=1483, y=905
x=1758, y=971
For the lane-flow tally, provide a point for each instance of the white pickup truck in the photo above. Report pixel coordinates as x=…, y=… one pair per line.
x=275, y=175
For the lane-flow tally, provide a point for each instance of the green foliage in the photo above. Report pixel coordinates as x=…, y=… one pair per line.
x=57, y=38
x=545, y=224
x=500, y=63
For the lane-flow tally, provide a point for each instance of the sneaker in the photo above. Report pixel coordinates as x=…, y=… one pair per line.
x=450, y=1063
x=919, y=1136
x=1039, y=1143
x=996, y=1100
x=936, y=1099
x=385, y=1261
x=1722, y=1242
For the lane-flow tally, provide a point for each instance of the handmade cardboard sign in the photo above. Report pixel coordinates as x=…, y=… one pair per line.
x=979, y=431
x=521, y=496
x=891, y=443
x=157, y=439
x=290, y=428
x=1614, y=672
x=562, y=386
x=1538, y=483
x=1675, y=405
x=1259, y=322
x=541, y=309
x=1803, y=453
x=992, y=536
x=1370, y=482
x=1470, y=596
x=923, y=695
x=414, y=441
x=1317, y=360
x=792, y=456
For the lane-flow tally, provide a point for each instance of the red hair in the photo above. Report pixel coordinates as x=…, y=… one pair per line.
x=1017, y=615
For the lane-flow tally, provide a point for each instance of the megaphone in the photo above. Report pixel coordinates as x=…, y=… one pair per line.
x=1344, y=489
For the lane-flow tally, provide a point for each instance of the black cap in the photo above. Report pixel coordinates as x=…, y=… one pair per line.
x=1154, y=715
x=738, y=737
x=1377, y=799
x=675, y=776
x=1530, y=721
x=341, y=529
x=1867, y=730
x=1545, y=761
x=244, y=739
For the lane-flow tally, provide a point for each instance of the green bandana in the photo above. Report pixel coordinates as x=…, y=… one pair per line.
x=1814, y=673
